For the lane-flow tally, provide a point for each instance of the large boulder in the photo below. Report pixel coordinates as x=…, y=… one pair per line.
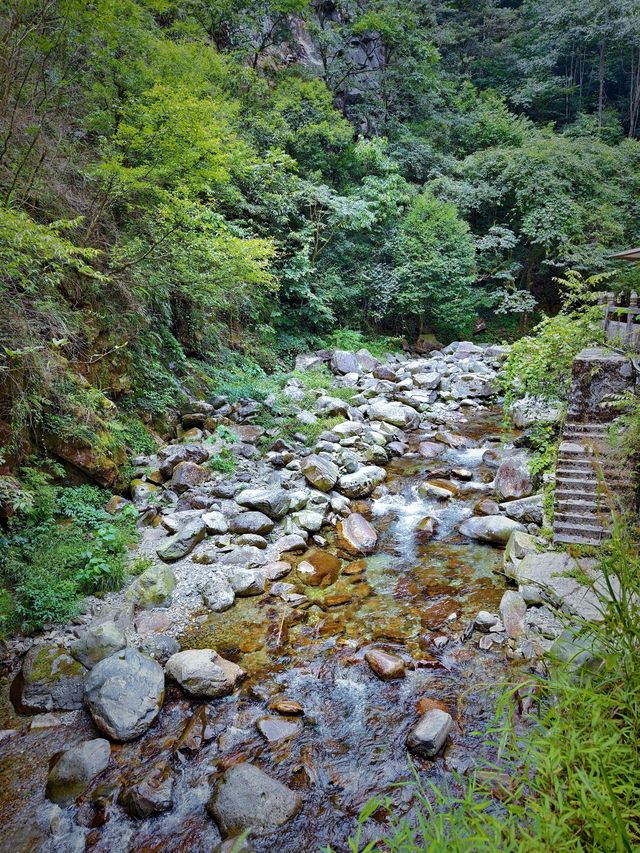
x=186, y=475
x=319, y=568
x=397, y=414
x=356, y=535
x=218, y=593
x=343, y=362
x=51, y=680
x=513, y=479
x=124, y=694
x=534, y=410
x=472, y=385
x=495, y=529
x=321, y=472
x=173, y=454
x=202, y=672
x=247, y=799
x=75, y=769
x=184, y=541
x=362, y=482
x=271, y=501
x=215, y=522
x=97, y=642
x=251, y=522
x=153, y=588
x=518, y=546
x=366, y=361
x=528, y=510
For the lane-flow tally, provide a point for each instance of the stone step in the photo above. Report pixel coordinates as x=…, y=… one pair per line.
x=588, y=427
x=577, y=449
x=577, y=505
x=580, y=529
x=563, y=538
x=578, y=519
x=610, y=476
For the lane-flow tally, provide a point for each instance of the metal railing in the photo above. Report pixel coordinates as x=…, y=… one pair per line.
x=620, y=322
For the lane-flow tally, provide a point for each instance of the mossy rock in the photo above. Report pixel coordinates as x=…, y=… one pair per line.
x=154, y=588
x=51, y=680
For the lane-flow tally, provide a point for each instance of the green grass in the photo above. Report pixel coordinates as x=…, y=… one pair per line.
x=575, y=784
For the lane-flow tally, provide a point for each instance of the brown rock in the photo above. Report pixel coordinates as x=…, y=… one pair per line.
x=357, y=567
x=278, y=728
x=385, y=665
x=426, y=528
x=319, y=568
x=284, y=705
x=356, y=535
x=427, y=704
x=337, y=599
x=485, y=506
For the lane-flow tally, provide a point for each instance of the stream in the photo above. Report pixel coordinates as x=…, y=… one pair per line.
x=410, y=598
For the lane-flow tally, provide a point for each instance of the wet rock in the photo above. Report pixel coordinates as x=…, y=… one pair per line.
x=215, y=523
x=430, y=733
x=528, y=510
x=247, y=799
x=98, y=642
x=245, y=582
x=343, y=361
x=151, y=793
x=441, y=489
x=361, y=483
x=124, y=694
x=159, y=647
x=186, y=475
x=513, y=479
x=51, y=680
x=218, y=593
x=284, y=705
x=453, y=440
x=76, y=768
x=490, y=528
x=397, y=414
x=356, y=535
x=184, y=541
x=485, y=506
x=386, y=666
x=251, y=522
x=321, y=472
x=272, y=502
x=153, y=588
x=274, y=571
x=202, y=672
x=426, y=528
x=512, y=612
x=485, y=620
x=276, y=729
x=319, y=568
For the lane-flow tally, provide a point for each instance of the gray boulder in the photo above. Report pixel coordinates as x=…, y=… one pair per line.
x=124, y=694
x=173, y=454
x=245, y=582
x=356, y=535
x=247, y=799
x=153, y=588
x=218, y=593
x=97, y=642
x=251, y=522
x=272, y=502
x=397, y=414
x=184, y=541
x=513, y=479
x=75, y=769
x=527, y=510
x=343, y=361
x=495, y=529
x=202, y=672
x=51, y=680
x=429, y=734
x=362, y=482
x=186, y=475
x=512, y=612
x=321, y=472
x=215, y=523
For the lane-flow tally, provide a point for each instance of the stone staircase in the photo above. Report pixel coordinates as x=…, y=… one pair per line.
x=590, y=481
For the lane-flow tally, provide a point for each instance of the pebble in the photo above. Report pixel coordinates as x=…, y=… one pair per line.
x=386, y=666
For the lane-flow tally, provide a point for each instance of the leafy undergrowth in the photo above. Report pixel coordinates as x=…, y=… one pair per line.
x=60, y=546
x=573, y=782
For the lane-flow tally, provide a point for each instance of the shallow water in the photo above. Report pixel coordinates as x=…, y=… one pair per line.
x=352, y=745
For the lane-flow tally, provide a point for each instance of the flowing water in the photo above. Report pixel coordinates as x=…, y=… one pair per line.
x=352, y=742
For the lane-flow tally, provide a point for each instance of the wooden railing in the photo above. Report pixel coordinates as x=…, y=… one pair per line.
x=620, y=322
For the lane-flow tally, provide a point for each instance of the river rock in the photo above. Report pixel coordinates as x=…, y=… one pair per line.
x=215, y=523
x=486, y=506
x=272, y=502
x=124, y=694
x=184, y=541
x=472, y=385
x=319, y=568
x=247, y=799
x=343, y=361
x=528, y=510
x=75, y=769
x=173, y=454
x=142, y=492
x=426, y=528
x=512, y=613
x=429, y=734
x=218, y=593
x=186, y=475
x=396, y=414
x=153, y=588
x=151, y=793
x=519, y=545
x=276, y=729
x=485, y=620
x=386, y=666
x=245, y=582
x=430, y=381
x=251, y=522
x=160, y=647
x=51, y=680
x=430, y=449
x=98, y=641
x=321, y=472
x=202, y=672
x=356, y=535
x=284, y=705
x=490, y=528
x=534, y=410
x=361, y=483
x=513, y=479
x=441, y=489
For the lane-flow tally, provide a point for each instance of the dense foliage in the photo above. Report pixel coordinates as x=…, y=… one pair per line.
x=181, y=180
